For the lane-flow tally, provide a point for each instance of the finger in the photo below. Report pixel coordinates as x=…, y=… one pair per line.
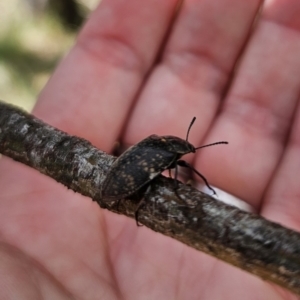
x=194, y=70
x=23, y=278
x=259, y=108
x=91, y=91
x=88, y=95
x=283, y=197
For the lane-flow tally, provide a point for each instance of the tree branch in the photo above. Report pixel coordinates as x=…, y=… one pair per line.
x=242, y=239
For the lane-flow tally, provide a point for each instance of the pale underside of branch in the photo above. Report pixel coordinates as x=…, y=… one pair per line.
x=242, y=239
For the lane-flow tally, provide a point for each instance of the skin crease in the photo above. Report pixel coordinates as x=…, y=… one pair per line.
x=55, y=244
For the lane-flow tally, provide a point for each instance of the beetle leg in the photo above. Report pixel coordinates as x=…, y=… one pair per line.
x=118, y=204
x=176, y=185
x=183, y=163
x=136, y=213
x=176, y=176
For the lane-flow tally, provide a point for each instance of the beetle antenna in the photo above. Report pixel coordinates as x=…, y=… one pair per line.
x=217, y=143
x=188, y=132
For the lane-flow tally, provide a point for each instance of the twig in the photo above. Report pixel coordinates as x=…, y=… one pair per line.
x=242, y=239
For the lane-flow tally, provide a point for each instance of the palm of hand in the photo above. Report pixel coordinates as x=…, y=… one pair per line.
x=60, y=245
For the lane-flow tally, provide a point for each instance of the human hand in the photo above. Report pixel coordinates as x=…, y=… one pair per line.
x=59, y=245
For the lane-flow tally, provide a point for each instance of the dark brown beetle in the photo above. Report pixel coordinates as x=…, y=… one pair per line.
x=144, y=161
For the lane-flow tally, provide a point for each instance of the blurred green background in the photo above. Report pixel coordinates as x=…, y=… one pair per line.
x=34, y=36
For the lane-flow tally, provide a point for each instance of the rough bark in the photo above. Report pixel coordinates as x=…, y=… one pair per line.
x=242, y=239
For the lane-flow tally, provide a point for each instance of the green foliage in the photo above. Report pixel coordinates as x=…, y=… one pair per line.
x=31, y=45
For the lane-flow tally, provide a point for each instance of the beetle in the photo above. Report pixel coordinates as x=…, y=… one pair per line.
x=144, y=161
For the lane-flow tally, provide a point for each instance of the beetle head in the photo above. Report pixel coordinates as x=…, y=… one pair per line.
x=181, y=147
x=174, y=144
x=178, y=145
x=169, y=143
